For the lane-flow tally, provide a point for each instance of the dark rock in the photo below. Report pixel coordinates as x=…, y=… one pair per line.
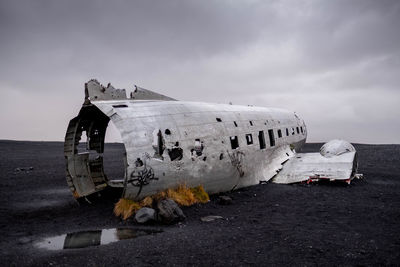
x=21, y=169
x=169, y=212
x=145, y=215
x=225, y=200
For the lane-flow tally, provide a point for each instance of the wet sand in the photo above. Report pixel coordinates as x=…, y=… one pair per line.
x=269, y=224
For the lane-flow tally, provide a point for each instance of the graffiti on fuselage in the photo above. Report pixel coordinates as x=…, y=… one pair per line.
x=142, y=174
x=236, y=158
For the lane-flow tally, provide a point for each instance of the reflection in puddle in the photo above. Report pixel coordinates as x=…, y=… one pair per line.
x=93, y=238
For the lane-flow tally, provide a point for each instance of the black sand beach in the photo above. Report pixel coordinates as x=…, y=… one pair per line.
x=269, y=224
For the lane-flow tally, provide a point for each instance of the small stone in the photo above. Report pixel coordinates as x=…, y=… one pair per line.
x=210, y=218
x=169, y=212
x=225, y=200
x=145, y=215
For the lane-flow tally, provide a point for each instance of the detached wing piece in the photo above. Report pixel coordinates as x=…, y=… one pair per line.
x=336, y=161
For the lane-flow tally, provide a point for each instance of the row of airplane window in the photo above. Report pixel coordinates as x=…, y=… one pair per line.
x=261, y=137
x=279, y=130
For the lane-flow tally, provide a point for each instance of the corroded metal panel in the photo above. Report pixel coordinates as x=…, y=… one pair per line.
x=78, y=166
x=305, y=166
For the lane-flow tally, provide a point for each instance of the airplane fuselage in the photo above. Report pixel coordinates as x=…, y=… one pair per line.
x=168, y=143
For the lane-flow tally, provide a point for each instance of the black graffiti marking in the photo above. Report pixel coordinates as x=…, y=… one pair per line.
x=138, y=162
x=140, y=178
x=236, y=160
x=146, y=156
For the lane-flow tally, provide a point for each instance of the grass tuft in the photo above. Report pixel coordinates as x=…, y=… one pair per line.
x=75, y=194
x=126, y=208
x=182, y=195
x=147, y=202
x=200, y=194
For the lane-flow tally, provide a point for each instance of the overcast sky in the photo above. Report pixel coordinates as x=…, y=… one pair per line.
x=336, y=63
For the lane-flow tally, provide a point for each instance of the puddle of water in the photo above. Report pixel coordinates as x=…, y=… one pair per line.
x=92, y=238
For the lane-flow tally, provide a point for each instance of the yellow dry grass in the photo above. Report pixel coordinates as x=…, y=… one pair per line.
x=147, y=202
x=126, y=208
x=182, y=195
x=75, y=194
x=159, y=196
x=200, y=194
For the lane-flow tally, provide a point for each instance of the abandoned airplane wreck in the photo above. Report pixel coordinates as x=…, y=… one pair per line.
x=169, y=142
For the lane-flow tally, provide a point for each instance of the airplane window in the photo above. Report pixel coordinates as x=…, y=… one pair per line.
x=279, y=133
x=287, y=132
x=261, y=139
x=234, y=142
x=249, y=139
x=301, y=129
x=292, y=131
x=219, y=119
x=271, y=137
x=297, y=129
x=251, y=123
x=235, y=124
x=120, y=106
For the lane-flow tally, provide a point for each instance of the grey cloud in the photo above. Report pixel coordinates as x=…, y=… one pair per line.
x=302, y=55
x=348, y=31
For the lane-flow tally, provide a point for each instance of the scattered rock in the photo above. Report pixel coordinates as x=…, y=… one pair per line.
x=210, y=218
x=145, y=215
x=21, y=169
x=169, y=212
x=225, y=200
